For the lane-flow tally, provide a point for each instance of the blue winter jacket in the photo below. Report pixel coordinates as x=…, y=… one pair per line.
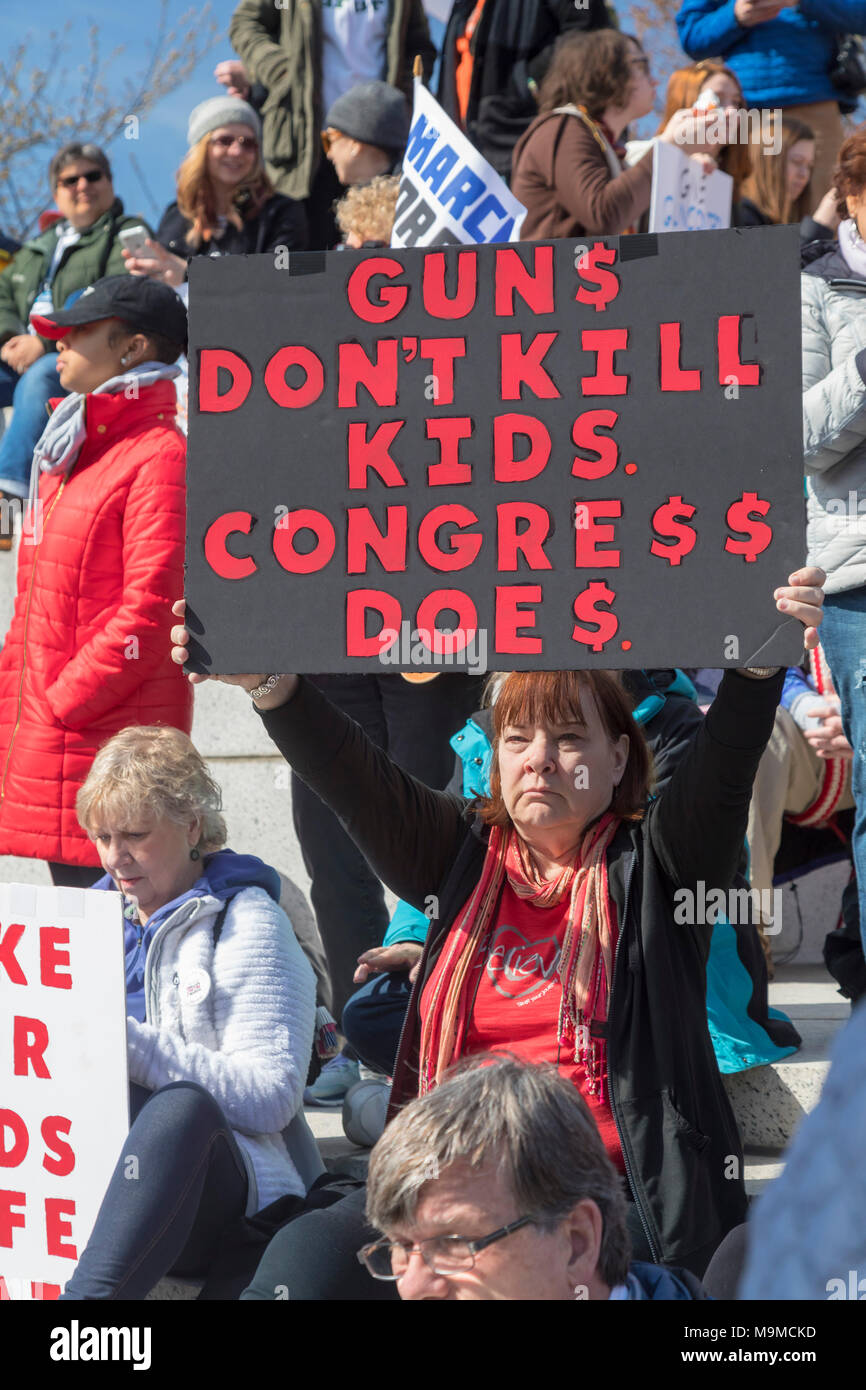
x=784, y=62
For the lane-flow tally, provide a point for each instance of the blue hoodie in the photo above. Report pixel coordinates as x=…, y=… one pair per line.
x=660, y=1283
x=224, y=874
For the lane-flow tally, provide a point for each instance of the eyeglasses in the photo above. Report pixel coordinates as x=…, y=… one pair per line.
x=329, y=136
x=92, y=176
x=389, y=1259
x=243, y=142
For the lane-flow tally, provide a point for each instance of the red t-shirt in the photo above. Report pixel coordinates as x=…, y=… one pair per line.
x=517, y=994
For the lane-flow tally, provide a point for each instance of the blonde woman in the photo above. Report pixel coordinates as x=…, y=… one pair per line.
x=365, y=215
x=779, y=190
x=220, y=1006
x=226, y=204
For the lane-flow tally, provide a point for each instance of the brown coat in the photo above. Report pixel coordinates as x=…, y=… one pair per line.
x=561, y=175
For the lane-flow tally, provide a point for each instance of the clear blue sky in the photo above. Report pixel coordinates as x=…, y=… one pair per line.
x=162, y=142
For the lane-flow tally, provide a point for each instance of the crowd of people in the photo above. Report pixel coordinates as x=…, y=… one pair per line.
x=568, y=1135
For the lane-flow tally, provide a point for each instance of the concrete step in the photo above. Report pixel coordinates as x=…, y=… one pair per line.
x=770, y=1101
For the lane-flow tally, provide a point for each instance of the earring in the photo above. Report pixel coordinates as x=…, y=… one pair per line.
x=123, y=361
x=194, y=854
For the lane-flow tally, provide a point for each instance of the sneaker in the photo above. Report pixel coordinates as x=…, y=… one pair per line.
x=336, y=1078
x=364, y=1111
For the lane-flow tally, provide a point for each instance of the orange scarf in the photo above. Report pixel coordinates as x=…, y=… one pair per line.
x=585, y=967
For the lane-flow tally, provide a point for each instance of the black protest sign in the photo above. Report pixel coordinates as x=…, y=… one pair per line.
x=542, y=455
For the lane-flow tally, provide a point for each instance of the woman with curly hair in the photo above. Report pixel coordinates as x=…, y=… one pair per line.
x=365, y=215
x=226, y=204
x=567, y=168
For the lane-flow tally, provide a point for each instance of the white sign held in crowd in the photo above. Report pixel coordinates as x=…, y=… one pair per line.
x=439, y=9
x=63, y=1080
x=449, y=194
x=684, y=199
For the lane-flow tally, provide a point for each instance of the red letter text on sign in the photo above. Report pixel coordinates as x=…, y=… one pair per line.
x=50, y=957
x=442, y=353
x=462, y=549
x=373, y=453
x=519, y=368
x=215, y=552
x=604, y=342
x=10, y=1158
x=507, y=468
x=467, y=620
x=673, y=377
x=588, y=534
x=287, y=528
x=529, y=542
x=29, y=1041
x=8, y=942
x=310, y=389
x=379, y=377
x=390, y=299
x=9, y=1219
x=584, y=434
x=63, y=1161
x=731, y=369
x=449, y=430
x=363, y=534
x=436, y=300
x=387, y=606
x=535, y=286
x=209, y=362
x=56, y=1208
x=511, y=616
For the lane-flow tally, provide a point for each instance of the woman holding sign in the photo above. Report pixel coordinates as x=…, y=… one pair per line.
x=220, y=1007
x=567, y=168
x=555, y=934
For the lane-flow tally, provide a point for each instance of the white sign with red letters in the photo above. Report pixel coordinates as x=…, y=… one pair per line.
x=63, y=1079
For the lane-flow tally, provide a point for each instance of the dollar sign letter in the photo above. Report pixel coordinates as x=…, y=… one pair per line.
x=739, y=518
x=586, y=607
x=668, y=520
x=591, y=267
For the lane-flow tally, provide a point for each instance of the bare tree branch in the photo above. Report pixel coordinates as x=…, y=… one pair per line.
x=45, y=104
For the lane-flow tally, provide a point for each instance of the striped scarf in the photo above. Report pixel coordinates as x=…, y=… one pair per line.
x=585, y=966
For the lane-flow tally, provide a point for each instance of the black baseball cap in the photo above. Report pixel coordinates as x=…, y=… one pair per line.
x=147, y=306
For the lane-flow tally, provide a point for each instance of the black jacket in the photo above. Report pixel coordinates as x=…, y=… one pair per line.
x=674, y=1120
x=281, y=222
x=512, y=44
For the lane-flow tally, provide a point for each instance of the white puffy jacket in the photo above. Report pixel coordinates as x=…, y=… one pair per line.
x=834, y=419
x=238, y=1019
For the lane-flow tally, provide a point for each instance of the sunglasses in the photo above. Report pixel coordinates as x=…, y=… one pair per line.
x=243, y=142
x=328, y=138
x=92, y=176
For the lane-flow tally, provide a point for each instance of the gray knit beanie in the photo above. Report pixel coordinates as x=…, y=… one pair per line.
x=374, y=113
x=218, y=111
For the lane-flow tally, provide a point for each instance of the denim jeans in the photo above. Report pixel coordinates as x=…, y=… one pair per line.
x=373, y=1019
x=179, y=1181
x=28, y=395
x=843, y=636
x=414, y=724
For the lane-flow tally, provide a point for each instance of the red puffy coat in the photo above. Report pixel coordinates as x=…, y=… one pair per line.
x=87, y=652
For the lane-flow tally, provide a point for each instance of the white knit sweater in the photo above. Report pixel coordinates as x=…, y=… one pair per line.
x=238, y=1020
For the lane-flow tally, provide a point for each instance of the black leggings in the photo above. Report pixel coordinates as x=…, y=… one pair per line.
x=315, y=1258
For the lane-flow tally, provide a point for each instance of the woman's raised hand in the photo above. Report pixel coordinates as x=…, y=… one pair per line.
x=803, y=598
x=158, y=264
x=284, y=689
